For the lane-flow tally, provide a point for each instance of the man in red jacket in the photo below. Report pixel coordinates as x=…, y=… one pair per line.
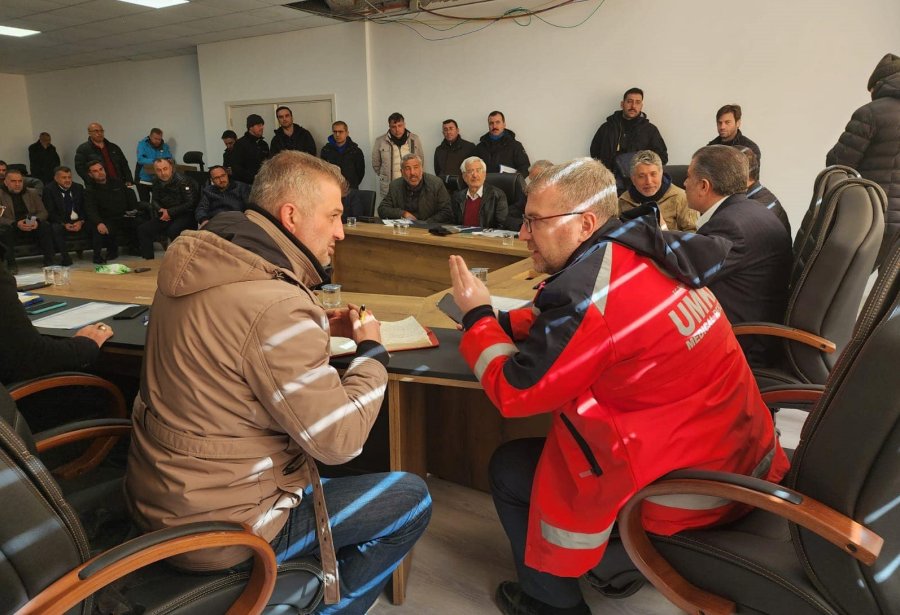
x=639, y=368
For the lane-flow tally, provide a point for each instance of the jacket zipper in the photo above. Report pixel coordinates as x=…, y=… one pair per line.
x=596, y=470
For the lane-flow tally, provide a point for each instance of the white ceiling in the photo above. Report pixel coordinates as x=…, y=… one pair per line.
x=86, y=32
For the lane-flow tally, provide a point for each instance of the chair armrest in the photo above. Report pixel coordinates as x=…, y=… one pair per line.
x=804, y=395
x=845, y=533
x=80, y=430
x=776, y=330
x=100, y=571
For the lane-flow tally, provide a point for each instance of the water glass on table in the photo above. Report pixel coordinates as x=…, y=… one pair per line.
x=331, y=296
x=480, y=272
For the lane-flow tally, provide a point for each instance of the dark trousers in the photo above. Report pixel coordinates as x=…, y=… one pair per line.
x=150, y=230
x=60, y=235
x=122, y=231
x=512, y=470
x=10, y=235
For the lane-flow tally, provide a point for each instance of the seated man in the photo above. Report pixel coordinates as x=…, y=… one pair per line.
x=222, y=194
x=479, y=204
x=174, y=198
x=752, y=286
x=111, y=209
x=650, y=185
x=26, y=354
x=231, y=421
x=759, y=193
x=640, y=371
x=517, y=210
x=64, y=201
x=415, y=195
x=22, y=217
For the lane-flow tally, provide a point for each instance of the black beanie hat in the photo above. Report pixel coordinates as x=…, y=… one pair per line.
x=889, y=65
x=253, y=120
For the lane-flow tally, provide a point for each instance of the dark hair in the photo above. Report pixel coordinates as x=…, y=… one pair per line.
x=15, y=169
x=633, y=91
x=61, y=168
x=733, y=109
x=752, y=160
x=156, y=131
x=288, y=109
x=3, y=162
x=451, y=122
x=214, y=167
x=342, y=123
x=500, y=113
x=229, y=134
x=723, y=166
x=170, y=161
x=396, y=116
x=94, y=161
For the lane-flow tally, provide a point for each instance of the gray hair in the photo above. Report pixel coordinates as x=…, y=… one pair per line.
x=465, y=163
x=410, y=157
x=296, y=177
x=540, y=165
x=724, y=167
x=645, y=157
x=584, y=184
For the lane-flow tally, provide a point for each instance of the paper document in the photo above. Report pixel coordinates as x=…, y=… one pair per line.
x=82, y=315
x=392, y=222
x=506, y=169
x=27, y=279
x=28, y=299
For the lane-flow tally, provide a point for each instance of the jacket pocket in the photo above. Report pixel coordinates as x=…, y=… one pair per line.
x=596, y=470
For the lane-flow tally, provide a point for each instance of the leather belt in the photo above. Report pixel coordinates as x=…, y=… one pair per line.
x=323, y=531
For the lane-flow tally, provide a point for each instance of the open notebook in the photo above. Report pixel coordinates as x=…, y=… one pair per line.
x=406, y=334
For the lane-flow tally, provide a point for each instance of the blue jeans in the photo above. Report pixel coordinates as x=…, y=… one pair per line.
x=375, y=520
x=512, y=471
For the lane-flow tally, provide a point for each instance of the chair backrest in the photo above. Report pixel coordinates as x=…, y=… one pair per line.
x=452, y=183
x=367, y=202
x=825, y=297
x=41, y=534
x=848, y=455
x=804, y=240
x=512, y=184
x=194, y=157
x=677, y=173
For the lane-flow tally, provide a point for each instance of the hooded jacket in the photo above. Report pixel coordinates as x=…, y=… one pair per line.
x=506, y=151
x=642, y=376
x=620, y=136
x=147, y=154
x=300, y=140
x=871, y=145
x=237, y=390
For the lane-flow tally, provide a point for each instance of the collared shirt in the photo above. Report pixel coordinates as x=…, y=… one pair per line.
x=705, y=216
x=478, y=194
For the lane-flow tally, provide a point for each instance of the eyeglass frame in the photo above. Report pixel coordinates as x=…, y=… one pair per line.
x=527, y=220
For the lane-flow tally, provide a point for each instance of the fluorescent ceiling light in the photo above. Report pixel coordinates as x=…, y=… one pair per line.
x=9, y=31
x=156, y=4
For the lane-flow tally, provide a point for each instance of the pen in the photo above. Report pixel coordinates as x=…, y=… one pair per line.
x=362, y=312
x=146, y=319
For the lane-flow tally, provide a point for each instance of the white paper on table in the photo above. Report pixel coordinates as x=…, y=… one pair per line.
x=507, y=303
x=495, y=232
x=393, y=222
x=27, y=279
x=82, y=315
x=506, y=169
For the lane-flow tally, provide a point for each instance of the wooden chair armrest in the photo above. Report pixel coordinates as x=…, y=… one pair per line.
x=84, y=580
x=79, y=431
x=845, y=533
x=801, y=394
x=775, y=330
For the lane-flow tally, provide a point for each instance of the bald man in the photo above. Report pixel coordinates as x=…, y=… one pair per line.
x=108, y=153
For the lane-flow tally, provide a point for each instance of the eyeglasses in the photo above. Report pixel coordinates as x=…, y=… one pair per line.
x=527, y=221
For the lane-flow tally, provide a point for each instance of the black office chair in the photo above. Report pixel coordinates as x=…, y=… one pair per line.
x=832, y=265
x=367, y=202
x=677, y=173
x=512, y=184
x=54, y=568
x=792, y=554
x=452, y=183
x=194, y=157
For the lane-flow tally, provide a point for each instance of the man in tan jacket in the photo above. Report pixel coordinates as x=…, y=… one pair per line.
x=650, y=184
x=238, y=398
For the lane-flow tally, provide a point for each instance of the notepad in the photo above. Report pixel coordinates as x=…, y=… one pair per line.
x=27, y=299
x=406, y=334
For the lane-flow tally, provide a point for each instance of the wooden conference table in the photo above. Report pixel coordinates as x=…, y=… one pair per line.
x=439, y=420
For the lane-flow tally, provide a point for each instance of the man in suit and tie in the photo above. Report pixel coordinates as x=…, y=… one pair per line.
x=64, y=202
x=753, y=284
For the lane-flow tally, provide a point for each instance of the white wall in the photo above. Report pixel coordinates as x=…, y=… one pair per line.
x=15, y=120
x=127, y=98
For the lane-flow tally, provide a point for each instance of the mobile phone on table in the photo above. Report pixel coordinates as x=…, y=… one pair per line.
x=132, y=312
x=45, y=307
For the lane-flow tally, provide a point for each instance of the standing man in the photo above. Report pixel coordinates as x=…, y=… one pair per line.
x=416, y=195
x=290, y=136
x=617, y=313
x=500, y=150
x=478, y=204
x=624, y=132
x=257, y=399
x=449, y=155
x=42, y=158
x=390, y=148
x=752, y=285
x=108, y=153
x=649, y=184
x=22, y=216
x=172, y=206
x=871, y=143
x=111, y=209
x=229, y=138
x=64, y=202
x=250, y=151
x=221, y=194
x=345, y=154
x=728, y=123
x=150, y=148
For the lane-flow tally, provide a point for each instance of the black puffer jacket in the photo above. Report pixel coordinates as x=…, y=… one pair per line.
x=871, y=145
x=619, y=136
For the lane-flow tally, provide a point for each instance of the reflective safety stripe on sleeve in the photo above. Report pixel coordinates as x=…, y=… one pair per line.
x=489, y=354
x=568, y=539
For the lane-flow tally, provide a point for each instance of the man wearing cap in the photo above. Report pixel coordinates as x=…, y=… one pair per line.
x=871, y=142
x=250, y=151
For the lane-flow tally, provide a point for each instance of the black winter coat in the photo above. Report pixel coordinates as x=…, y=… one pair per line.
x=619, y=136
x=494, y=208
x=506, y=151
x=179, y=195
x=449, y=156
x=87, y=152
x=247, y=156
x=351, y=161
x=42, y=161
x=300, y=140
